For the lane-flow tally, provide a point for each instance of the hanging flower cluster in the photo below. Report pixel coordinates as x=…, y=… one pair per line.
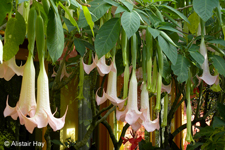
x=30, y=113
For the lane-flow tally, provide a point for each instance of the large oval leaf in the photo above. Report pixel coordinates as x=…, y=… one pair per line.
x=98, y=9
x=107, y=36
x=204, y=8
x=168, y=49
x=219, y=63
x=15, y=34
x=181, y=68
x=130, y=22
x=5, y=7
x=55, y=36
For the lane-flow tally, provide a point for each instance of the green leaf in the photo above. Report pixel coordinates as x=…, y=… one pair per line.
x=98, y=9
x=88, y=18
x=204, y=131
x=193, y=146
x=181, y=68
x=130, y=22
x=72, y=20
x=169, y=50
x=216, y=88
x=196, y=56
x=74, y=5
x=5, y=8
x=120, y=9
x=219, y=64
x=155, y=33
x=128, y=5
x=217, y=122
x=218, y=41
x=107, y=36
x=15, y=34
x=204, y=8
x=81, y=46
x=169, y=28
x=182, y=16
x=20, y=1
x=69, y=25
x=111, y=2
x=55, y=36
x=221, y=109
x=57, y=142
x=194, y=22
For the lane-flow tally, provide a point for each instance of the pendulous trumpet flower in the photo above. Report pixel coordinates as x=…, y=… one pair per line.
x=101, y=65
x=131, y=114
x=145, y=116
x=111, y=93
x=43, y=114
x=206, y=76
x=27, y=101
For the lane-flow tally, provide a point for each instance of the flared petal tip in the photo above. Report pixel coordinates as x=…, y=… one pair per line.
x=99, y=99
x=209, y=79
x=57, y=123
x=132, y=116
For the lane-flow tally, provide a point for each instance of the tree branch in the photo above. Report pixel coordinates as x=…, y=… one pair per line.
x=178, y=130
x=182, y=8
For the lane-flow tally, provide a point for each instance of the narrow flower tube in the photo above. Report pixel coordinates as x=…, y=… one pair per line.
x=131, y=114
x=189, y=137
x=27, y=101
x=166, y=100
x=206, y=76
x=43, y=114
x=81, y=81
x=145, y=116
x=101, y=65
x=111, y=93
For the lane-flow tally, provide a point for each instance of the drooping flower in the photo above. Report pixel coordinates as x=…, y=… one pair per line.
x=27, y=101
x=43, y=114
x=72, y=54
x=166, y=88
x=111, y=93
x=9, y=68
x=145, y=116
x=206, y=76
x=101, y=65
x=131, y=114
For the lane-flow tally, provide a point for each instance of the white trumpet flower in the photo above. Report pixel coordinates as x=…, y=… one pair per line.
x=43, y=114
x=131, y=114
x=206, y=76
x=9, y=68
x=111, y=93
x=27, y=101
x=149, y=125
x=101, y=65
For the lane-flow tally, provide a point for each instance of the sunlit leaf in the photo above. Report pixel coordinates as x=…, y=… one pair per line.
x=107, y=36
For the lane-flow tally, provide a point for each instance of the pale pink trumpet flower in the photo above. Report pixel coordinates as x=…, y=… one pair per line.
x=9, y=68
x=27, y=101
x=206, y=76
x=72, y=54
x=131, y=114
x=111, y=93
x=43, y=114
x=101, y=65
x=166, y=88
x=149, y=125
